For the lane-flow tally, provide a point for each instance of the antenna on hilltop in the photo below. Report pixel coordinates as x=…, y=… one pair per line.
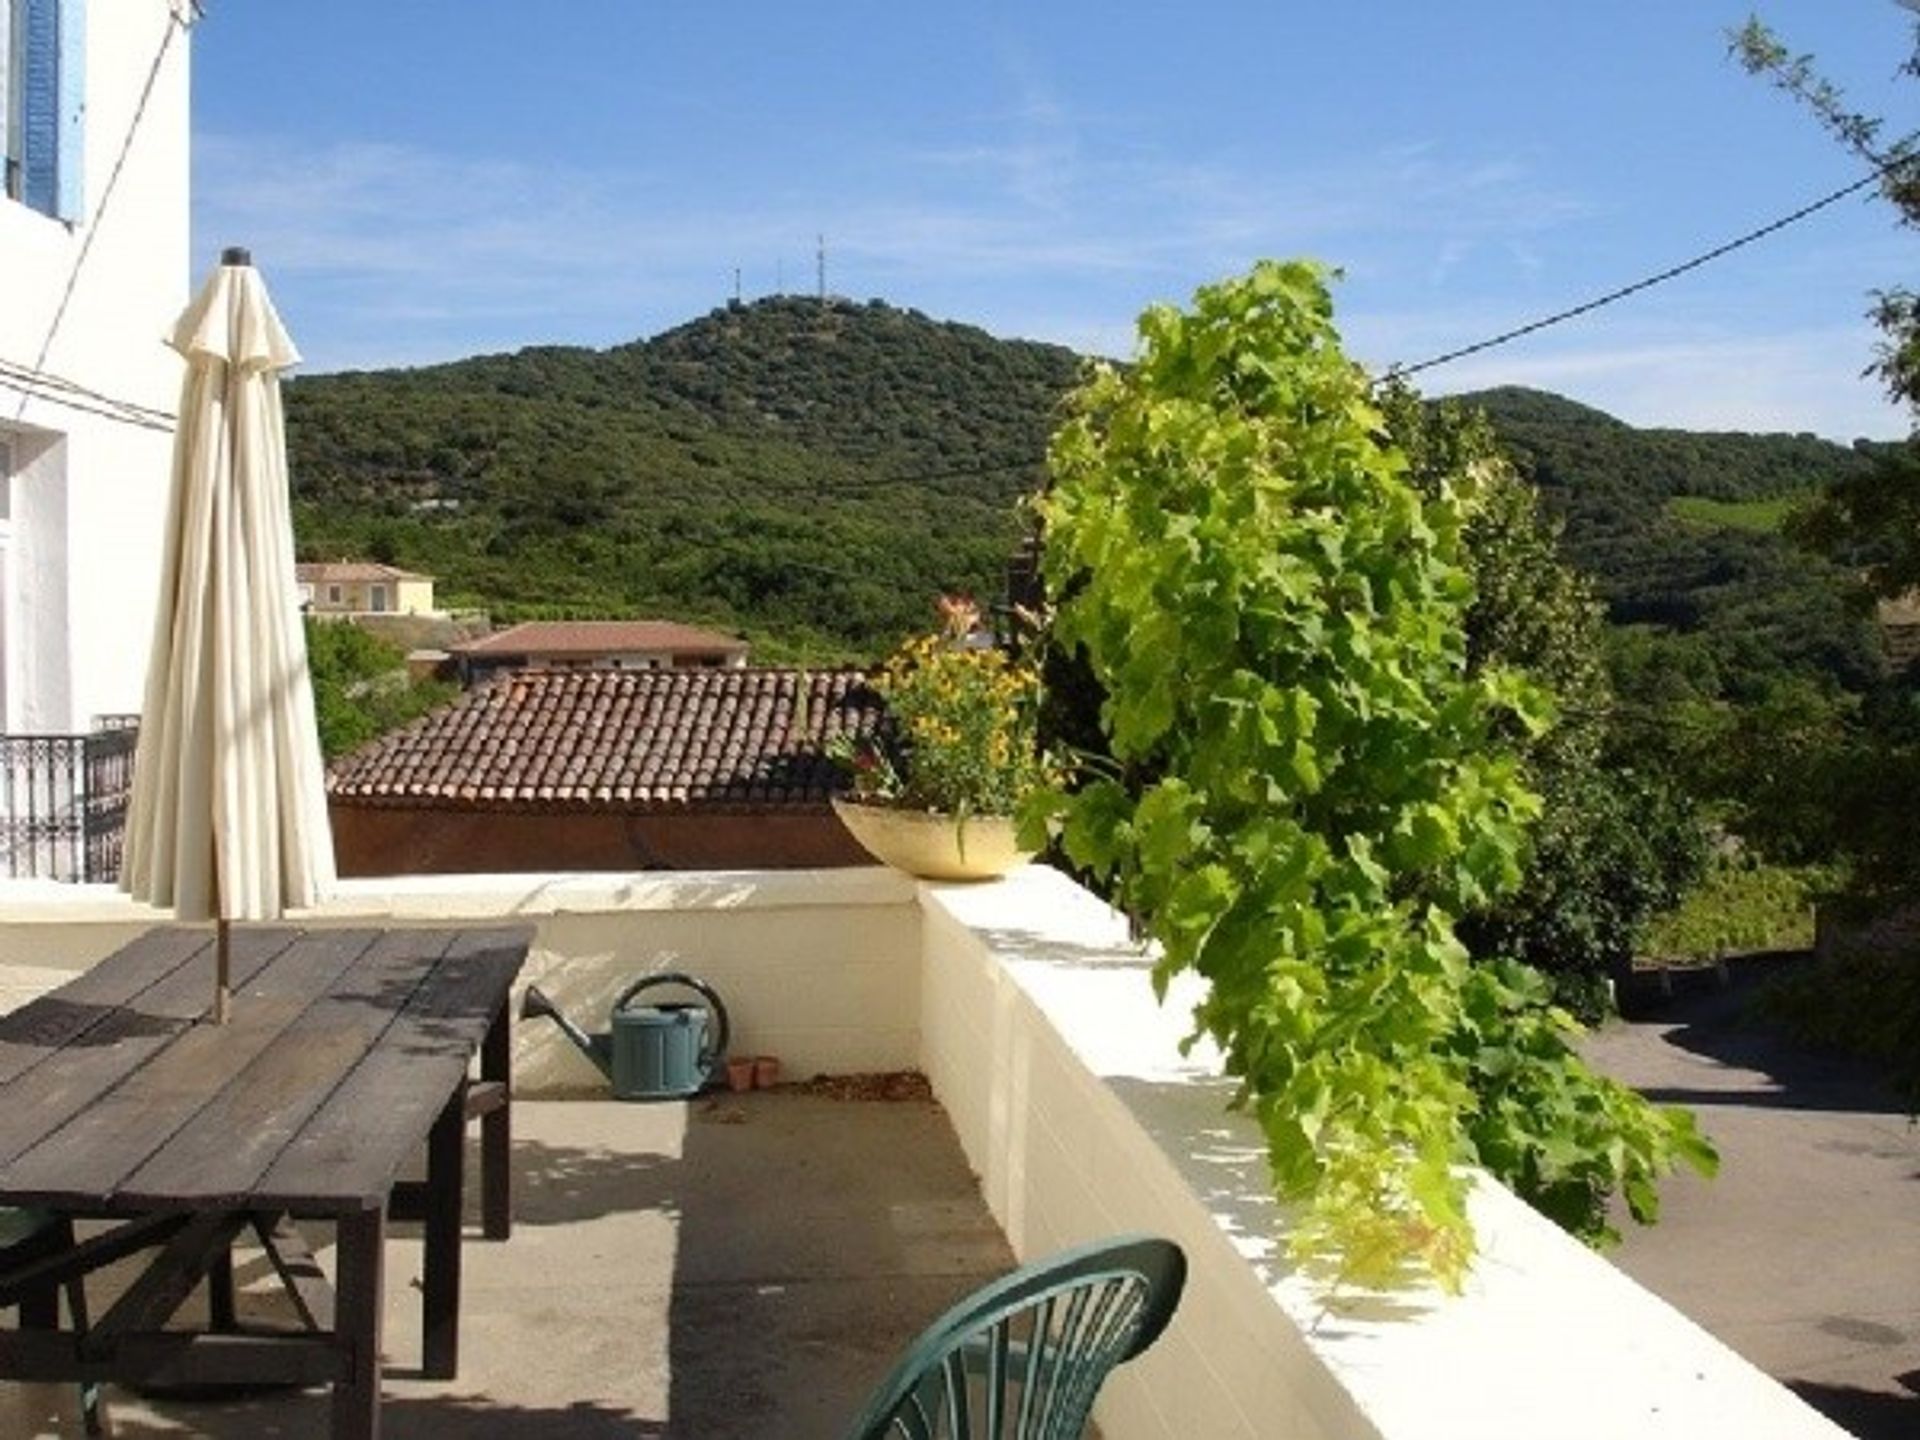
x=821, y=256
x=736, y=284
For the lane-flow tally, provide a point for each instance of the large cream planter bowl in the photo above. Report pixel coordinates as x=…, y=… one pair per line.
x=932, y=845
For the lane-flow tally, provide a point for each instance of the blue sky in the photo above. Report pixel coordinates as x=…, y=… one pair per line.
x=421, y=179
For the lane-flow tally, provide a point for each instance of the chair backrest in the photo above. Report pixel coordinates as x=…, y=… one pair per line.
x=1024, y=1357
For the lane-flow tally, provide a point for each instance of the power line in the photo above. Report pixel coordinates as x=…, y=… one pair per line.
x=65, y=393
x=176, y=21
x=1396, y=372
x=53, y=386
x=1559, y=317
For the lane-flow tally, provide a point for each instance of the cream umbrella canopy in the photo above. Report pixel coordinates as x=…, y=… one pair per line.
x=228, y=818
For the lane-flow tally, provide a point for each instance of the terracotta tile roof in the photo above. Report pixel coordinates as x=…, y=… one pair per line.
x=619, y=739
x=337, y=572
x=603, y=637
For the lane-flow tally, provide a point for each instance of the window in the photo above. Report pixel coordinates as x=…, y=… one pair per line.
x=377, y=601
x=333, y=594
x=42, y=85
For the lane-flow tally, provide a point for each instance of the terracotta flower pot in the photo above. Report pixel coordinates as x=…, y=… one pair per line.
x=766, y=1072
x=932, y=845
x=740, y=1073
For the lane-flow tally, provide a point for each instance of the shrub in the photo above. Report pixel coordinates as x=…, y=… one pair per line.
x=1277, y=619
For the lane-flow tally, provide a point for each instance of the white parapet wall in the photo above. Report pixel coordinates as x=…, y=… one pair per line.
x=1065, y=1083
x=817, y=968
x=1032, y=1015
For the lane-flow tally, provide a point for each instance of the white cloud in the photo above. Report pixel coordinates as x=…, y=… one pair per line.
x=1805, y=380
x=1042, y=227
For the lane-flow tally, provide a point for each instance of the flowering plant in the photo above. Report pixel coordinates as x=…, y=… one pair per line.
x=963, y=722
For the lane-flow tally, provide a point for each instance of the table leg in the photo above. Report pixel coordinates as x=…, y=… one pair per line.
x=440, y=1298
x=496, y=1129
x=220, y=1308
x=356, y=1324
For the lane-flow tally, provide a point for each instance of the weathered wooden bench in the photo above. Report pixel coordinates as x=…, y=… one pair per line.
x=121, y=1104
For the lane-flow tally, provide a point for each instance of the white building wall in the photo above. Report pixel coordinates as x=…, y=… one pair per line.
x=89, y=493
x=39, y=689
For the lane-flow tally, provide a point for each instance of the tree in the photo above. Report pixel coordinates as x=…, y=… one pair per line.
x=1276, y=615
x=361, y=688
x=1875, y=514
x=1862, y=774
x=1615, y=845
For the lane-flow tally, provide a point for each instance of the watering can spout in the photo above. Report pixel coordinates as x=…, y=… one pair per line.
x=597, y=1048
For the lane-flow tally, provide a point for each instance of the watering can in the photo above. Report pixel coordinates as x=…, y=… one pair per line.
x=652, y=1052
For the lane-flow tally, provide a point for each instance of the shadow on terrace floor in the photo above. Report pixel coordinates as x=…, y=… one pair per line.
x=742, y=1266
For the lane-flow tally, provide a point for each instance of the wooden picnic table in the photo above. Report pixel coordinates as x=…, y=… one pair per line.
x=348, y=1050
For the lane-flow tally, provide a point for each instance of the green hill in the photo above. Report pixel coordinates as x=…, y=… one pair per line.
x=1665, y=522
x=814, y=473
x=811, y=473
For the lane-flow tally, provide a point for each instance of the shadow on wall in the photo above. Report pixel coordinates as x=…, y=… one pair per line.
x=1174, y=1100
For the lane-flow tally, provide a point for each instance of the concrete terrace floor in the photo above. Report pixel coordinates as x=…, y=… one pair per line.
x=736, y=1266
x=1803, y=1254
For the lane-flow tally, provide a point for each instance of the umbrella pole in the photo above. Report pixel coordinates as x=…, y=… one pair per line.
x=222, y=989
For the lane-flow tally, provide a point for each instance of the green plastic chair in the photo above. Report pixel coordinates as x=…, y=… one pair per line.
x=1024, y=1357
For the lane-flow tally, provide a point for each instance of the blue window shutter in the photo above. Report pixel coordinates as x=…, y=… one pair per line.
x=70, y=148
x=40, y=105
x=7, y=138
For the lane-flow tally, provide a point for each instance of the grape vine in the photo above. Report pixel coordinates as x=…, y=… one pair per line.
x=1314, y=787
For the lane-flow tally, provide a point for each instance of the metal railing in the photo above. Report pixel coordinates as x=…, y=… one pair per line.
x=63, y=801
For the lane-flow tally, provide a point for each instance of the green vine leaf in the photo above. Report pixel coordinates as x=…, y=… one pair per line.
x=1312, y=788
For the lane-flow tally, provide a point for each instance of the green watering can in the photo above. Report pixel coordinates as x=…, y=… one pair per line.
x=653, y=1052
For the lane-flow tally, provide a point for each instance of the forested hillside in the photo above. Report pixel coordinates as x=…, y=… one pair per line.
x=811, y=474
x=1755, y=604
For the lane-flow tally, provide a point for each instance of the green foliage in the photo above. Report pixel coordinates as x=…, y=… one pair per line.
x=1861, y=776
x=1615, y=843
x=1741, y=906
x=1872, y=513
x=1330, y=786
x=1628, y=499
x=1761, y=52
x=361, y=688
x=1762, y=517
x=1865, y=1002
x=1612, y=849
x=815, y=472
x=1560, y=1135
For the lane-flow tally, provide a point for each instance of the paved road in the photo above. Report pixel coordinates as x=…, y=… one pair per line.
x=1804, y=1253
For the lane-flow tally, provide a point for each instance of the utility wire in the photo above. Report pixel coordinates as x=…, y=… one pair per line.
x=176, y=21
x=73, y=397
x=47, y=385
x=1396, y=372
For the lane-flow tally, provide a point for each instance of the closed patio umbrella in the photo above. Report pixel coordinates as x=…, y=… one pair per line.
x=228, y=818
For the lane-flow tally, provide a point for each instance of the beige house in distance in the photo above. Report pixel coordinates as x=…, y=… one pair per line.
x=353, y=587
x=599, y=645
